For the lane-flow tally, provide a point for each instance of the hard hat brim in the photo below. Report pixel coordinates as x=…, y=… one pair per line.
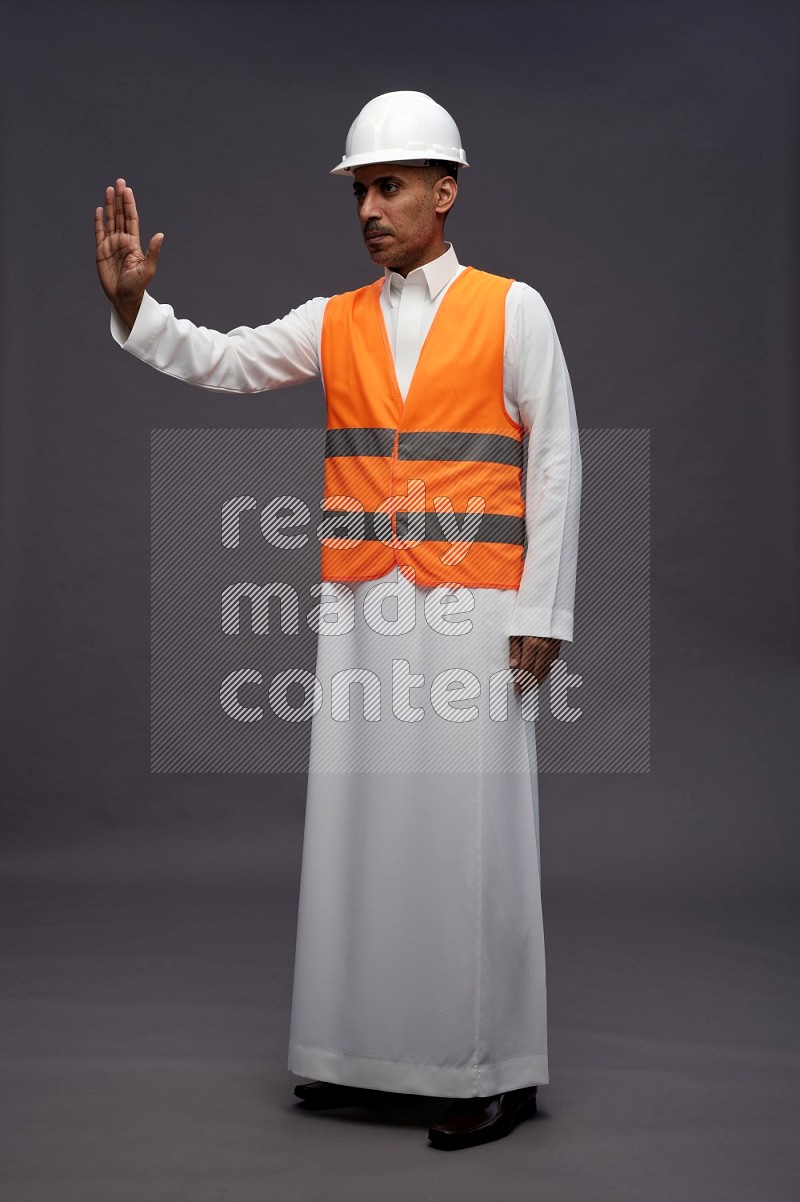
x=411, y=158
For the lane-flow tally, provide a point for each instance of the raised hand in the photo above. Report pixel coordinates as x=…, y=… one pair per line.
x=124, y=269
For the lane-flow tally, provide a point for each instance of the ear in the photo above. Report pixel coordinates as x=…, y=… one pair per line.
x=445, y=192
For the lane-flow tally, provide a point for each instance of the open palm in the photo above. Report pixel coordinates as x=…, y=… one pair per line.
x=123, y=267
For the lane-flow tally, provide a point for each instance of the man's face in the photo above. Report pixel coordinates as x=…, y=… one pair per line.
x=399, y=209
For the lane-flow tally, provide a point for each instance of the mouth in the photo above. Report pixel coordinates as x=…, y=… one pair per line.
x=374, y=236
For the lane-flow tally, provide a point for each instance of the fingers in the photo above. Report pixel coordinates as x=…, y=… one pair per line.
x=544, y=656
x=115, y=208
x=537, y=664
x=110, y=224
x=119, y=212
x=534, y=661
x=131, y=217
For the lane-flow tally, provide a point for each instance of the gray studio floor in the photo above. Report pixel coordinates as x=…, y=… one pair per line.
x=146, y=1003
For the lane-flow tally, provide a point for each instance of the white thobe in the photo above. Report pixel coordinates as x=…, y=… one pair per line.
x=419, y=964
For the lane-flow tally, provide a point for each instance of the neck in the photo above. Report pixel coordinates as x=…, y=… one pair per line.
x=434, y=251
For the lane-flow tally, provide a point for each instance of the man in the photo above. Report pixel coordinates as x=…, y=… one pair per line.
x=420, y=957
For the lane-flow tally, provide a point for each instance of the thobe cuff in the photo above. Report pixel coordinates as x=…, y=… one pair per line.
x=148, y=325
x=543, y=623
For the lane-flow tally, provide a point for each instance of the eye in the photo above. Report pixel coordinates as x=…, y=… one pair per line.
x=389, y=186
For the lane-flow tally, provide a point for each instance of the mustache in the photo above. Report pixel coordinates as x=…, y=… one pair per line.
x=373, y=227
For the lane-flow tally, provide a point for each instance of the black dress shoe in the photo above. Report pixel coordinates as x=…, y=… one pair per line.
x=469, y=1121
x=323, y=1095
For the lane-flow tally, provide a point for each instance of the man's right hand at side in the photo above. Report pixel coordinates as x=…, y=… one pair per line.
x=123, y=268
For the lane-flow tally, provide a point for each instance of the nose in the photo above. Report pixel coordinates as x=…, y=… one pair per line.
x=370, y=205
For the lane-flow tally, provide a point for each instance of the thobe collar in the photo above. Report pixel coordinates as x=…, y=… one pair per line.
x=432, y=276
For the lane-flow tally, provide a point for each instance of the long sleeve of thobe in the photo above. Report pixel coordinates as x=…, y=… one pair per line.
x=246, y=359
x=537, y=379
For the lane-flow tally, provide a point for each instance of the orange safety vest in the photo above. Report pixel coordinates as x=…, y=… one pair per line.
x=432, y=485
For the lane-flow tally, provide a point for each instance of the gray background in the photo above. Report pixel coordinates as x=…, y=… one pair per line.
x=638, y=165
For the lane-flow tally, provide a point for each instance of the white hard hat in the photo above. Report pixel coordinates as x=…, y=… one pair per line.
x=401, y=127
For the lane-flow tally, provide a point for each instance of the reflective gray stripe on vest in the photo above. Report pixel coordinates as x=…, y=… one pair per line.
x=452, y=446
x=370, y=441
x=493, y=527
x=455, y=445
